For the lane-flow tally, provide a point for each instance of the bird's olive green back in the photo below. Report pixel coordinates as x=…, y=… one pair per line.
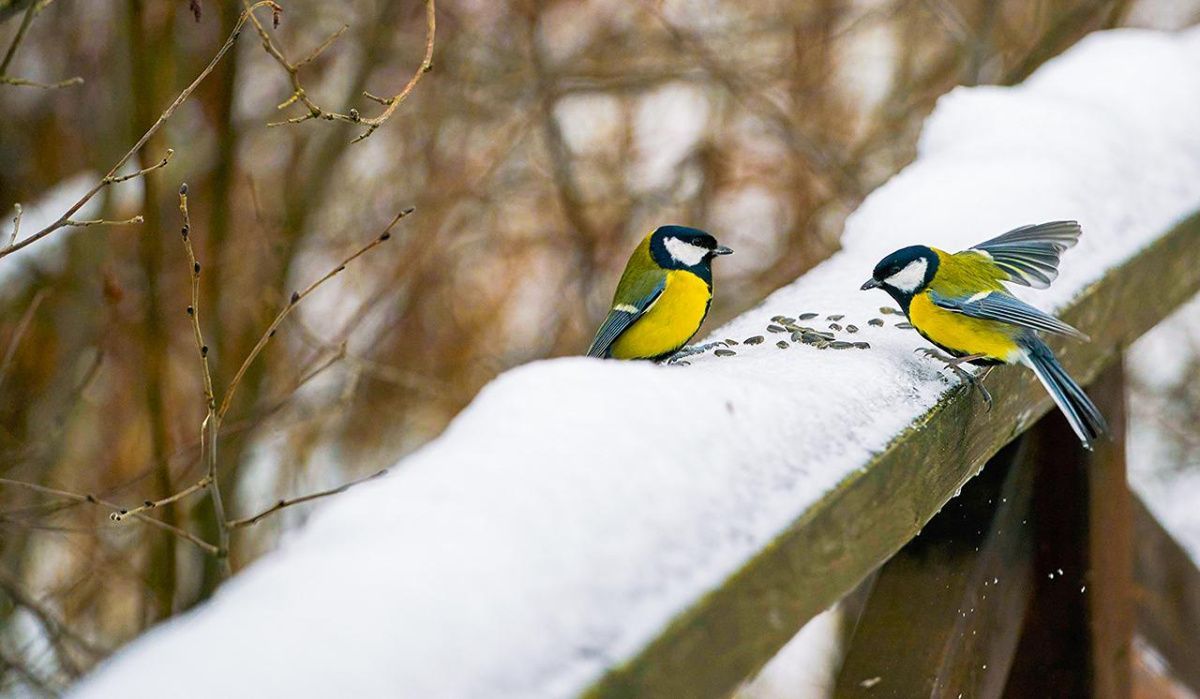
x=641, y=278
x=966, y=273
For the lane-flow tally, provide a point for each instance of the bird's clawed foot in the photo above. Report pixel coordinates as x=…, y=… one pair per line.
x=692, y=350
x=955, y=365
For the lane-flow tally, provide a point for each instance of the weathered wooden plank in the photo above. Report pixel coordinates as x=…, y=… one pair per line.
x=1167, y=585
x=732, y=631
x=945, y=614
x=1079, y=627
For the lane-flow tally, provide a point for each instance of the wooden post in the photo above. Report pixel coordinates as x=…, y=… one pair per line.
x=1079, y=626
x=1168, y=598
x=945, y=614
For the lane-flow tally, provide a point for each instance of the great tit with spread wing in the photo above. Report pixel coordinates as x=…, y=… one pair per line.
x=959, y=303
x=662, y=297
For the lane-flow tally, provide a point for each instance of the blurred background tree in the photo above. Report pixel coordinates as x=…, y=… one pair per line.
x=547, y=139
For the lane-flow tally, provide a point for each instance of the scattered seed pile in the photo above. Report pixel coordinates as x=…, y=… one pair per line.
x=804, y=334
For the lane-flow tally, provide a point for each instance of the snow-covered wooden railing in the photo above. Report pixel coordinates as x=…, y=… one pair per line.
x=622, y=529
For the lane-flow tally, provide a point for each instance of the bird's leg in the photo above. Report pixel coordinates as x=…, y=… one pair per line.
x=954, y=364
x=692, y=350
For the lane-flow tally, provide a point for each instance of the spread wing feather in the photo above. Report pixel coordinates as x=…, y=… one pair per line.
x=622, y=315
x=1029, y=255
x=1001, y=307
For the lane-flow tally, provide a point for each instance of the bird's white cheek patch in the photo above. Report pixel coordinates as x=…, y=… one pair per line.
x=909, y=278
x=684, y=252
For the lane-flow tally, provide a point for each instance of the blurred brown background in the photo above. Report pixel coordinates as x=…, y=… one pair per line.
x=548, y=138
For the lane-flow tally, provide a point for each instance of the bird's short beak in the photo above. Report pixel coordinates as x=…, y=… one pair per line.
x=870, y=284
x=722, y=250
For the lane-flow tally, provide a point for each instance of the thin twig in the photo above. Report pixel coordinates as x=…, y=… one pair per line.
x=314, y=111
x=22, y=82
x=50, y=621
x=123, y=514
x=33, y=681
x=211, y=426
x=89, y=498
x=297, y=297
x=285, y=503
x=162, y=163
x=16, y=224
x=425, y=67
x=183, y=96
x=22, y=328
x=104, y=222
x=27, y=19
x=316, y=53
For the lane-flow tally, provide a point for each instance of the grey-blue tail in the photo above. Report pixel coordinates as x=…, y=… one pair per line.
x=1080, y=411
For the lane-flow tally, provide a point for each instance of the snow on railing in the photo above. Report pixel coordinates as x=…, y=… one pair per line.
x=587, y=522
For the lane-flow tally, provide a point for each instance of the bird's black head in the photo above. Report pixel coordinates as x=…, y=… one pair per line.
x=680, y=247
x=904, y=273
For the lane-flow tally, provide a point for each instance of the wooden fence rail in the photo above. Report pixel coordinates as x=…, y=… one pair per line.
x=997, y=595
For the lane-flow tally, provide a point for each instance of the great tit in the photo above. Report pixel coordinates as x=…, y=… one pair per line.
x=662, y=297
x=959, y=303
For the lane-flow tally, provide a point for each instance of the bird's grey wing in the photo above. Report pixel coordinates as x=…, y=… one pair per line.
x=622, y=316
x=1029, y=255
x=1001, y=307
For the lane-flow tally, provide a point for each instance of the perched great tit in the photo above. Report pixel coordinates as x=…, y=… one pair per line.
x=662, y=297
x=958, y=302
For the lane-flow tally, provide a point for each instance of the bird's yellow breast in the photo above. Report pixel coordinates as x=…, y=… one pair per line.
x=960, y=333
x=671, y=321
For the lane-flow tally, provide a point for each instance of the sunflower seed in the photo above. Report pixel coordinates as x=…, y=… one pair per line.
x=730, y=343
x=756, y=340
x=877, y=322
x=783, y=320
x=782, y=344
x=862, y=345
x=775, y=328
x=839, y=344
x=904, y=326
x=835, y=317
x=823, y=344
x=851, y=328
x=807, y=316
x=889, y=311
x=834, y=326
x=724, y=353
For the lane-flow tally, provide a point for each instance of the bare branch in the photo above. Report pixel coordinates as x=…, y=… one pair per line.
x=26, y=20
x=296, y=298
x=425, y=67
x=22, y=328
x=211, y=426
x=162, y=163
x=50, y=621
x=122, y=514
x=22, y=82
x=89, y=498
x=183, y=96
x=104, y=222
x=299, y=95
x=316, y=53
x=285, y=503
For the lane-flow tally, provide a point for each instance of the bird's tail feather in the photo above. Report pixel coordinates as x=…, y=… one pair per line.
x=1080, y=411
